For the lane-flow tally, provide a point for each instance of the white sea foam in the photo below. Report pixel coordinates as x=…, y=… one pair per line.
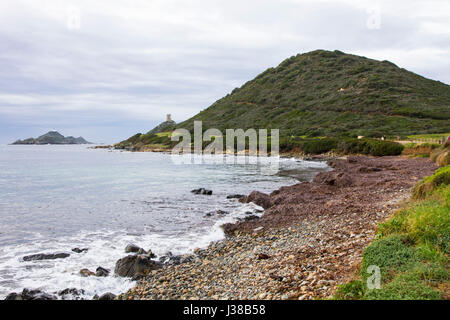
x=105, y=248
x=103, y=201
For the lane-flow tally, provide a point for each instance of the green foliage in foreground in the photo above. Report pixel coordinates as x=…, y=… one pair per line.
x=411, y=250
x=428, y=184
x=441, y=155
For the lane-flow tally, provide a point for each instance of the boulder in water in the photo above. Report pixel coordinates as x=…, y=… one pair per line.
x=202, y=191
x=30, y=295
x=258, y=198
x=107, y=296
x=86, y=273
x=44, y=256
x=101, y=272
x=135, y=265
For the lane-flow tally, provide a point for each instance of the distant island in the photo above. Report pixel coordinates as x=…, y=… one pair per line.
x=53, y=137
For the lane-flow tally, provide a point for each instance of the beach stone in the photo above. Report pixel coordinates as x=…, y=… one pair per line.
x=134, y=265
x=263, y=256
x=44, y=256
x=107, y=296
x=102, y=272
x=86, y=273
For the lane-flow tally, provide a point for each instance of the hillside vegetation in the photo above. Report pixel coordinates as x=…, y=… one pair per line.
x=324, y=93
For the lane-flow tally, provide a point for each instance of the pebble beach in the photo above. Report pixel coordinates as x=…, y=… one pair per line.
x=309, y=240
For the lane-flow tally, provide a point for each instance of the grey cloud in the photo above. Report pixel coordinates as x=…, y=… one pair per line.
x=134, y=61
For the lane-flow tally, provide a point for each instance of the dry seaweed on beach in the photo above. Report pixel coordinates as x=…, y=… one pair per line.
x=311, y=236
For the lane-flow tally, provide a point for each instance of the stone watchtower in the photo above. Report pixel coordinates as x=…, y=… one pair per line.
x=169, y=118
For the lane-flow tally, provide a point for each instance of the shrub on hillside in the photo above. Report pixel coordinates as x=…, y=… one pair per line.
x=428, y=184
x=370, y=147
x=441, y=155
x=318, y=146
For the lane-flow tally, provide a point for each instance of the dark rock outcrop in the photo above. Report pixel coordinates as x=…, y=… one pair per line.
x=30, y=295
x=132, y=248
x=73, y=292
x=101, y=272
x=334, y=178
x=258, y=198
x=107, y=296
x=135, y=265
x=44, y=256
x=78, y=250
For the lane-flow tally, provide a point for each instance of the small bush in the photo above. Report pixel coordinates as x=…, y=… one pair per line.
x=319, y=146
x=369, y=146
x=404, y=287
x=389, y=254
x=353, y=290
x=428, y=184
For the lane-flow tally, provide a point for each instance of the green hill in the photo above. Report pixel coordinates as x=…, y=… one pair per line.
x=324, y=93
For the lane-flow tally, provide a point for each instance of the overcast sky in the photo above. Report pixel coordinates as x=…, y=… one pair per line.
x=105, y=70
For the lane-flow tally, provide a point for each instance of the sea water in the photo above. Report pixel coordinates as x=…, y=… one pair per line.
x=55, y=198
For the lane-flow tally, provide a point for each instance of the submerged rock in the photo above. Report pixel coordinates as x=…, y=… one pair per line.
x=74, y=292
x=78, y=250
x=30, y=295
x=14, y=296
x=44, y=256
x=235, y=196
x=202, y=191
x=221, y=212
x=102, y=272
x=263, y=256
x=135, y=265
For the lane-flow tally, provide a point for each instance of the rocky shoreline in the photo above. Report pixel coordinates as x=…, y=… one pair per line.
x=309, y=240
